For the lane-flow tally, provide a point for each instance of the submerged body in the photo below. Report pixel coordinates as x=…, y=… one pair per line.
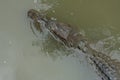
x=108, y=68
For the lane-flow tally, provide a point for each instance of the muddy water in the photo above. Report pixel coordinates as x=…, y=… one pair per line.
x=98, y=20
x=22, y=54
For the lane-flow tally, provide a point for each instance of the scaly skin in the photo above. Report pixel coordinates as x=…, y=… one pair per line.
x=107, y=67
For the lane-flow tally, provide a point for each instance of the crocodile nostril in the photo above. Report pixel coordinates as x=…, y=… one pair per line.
x=32, y=14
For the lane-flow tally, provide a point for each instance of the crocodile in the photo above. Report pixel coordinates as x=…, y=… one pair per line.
x=108, y=68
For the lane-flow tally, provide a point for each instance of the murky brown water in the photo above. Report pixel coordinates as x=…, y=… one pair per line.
x=99, y=20
x=91, y=15
x=20, y=59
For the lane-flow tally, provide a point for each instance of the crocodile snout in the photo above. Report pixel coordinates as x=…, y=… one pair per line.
x=33, y=14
